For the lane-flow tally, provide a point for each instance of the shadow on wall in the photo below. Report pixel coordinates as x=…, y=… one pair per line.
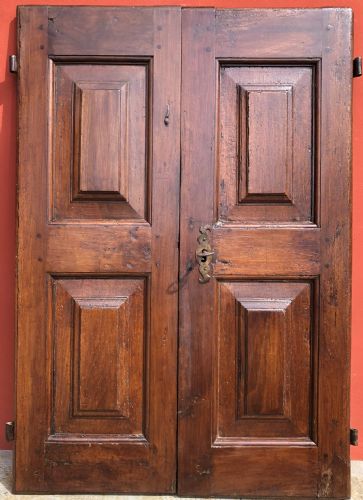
x=7, y=234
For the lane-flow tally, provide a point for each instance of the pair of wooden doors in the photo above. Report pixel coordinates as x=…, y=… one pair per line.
x=141, y=368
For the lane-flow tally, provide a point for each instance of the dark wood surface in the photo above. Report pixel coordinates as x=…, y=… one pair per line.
x=266, y=115
x=117, y=106
x=264, y=345
x=97, y=249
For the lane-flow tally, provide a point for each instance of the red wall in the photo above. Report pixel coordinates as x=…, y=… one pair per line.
x=7, y=190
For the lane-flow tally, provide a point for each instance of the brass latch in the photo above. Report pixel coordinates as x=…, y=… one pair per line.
x=204, y=254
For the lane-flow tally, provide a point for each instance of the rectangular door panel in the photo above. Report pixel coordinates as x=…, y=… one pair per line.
x=99, y=341
x=266, y=116
x=265, y=367
x=264, y=320
x=101, y=135
x=97, y=249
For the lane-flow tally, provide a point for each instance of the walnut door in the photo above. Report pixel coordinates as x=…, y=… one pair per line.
x=110, y=121
x=264, y=344
x=97, y=249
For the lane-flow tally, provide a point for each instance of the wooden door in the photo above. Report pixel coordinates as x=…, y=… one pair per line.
x=264, y=344
x=265, y=199
x=97, y=271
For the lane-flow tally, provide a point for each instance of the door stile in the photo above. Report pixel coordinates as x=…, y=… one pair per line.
x=165, y=241
x=32, y=378
x=335, y=277
x=197, y=209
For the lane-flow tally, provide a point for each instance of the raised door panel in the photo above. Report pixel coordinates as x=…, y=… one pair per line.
x=100, y=141
x=266, y=143
x=266, y=351
x=99, y=342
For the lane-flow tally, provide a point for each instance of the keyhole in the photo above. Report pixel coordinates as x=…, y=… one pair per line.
x=203, y=259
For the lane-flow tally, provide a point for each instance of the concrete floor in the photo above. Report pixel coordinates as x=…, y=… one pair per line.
x=5, y=485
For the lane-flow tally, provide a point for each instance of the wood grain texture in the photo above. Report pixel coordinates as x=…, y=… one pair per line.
x=107, y=32
x=266, y=344
x=101, y=136
x=32, y=412
x=106, y=248
x=245, y=252
x=110, y=122
x=196, y=330
x=288, y=33
x=335, y=312
x=266, y=142
x=263, y=243
x=99, y=339
x=265, y=356
x=97, y=325
x=269, y=116
x=100, y=140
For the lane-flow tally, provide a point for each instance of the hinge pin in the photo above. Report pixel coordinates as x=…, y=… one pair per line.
x=357, y=67
x=10, y=431
x=354, y=437
x=13, y=64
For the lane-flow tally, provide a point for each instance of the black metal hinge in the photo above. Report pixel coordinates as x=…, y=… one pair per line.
x=357, y=66
x=354, y=437
x=10, y=431
x=13, y=64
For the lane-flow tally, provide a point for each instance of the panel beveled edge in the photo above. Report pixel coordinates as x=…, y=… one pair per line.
x=310, y=441
x=114, y=185
x=128, y=212
x=81, y=306
x=79, y=438
x=275, y=307
x=245, y=122
x=315, y=63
